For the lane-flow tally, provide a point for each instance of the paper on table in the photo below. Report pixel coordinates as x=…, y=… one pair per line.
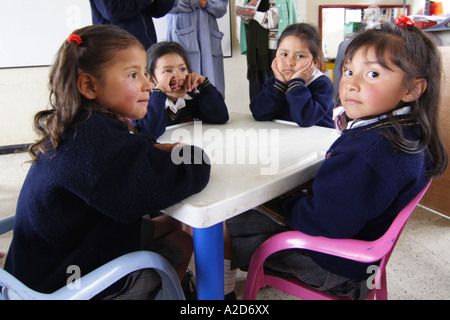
x=240, y=4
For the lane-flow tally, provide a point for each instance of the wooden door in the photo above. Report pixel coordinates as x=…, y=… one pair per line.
x=438, y=196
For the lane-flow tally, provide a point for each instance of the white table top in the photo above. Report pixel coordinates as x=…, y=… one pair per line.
x=251, y=163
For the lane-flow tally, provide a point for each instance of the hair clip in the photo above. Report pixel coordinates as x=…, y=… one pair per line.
x=404, y=21
x=74, y=37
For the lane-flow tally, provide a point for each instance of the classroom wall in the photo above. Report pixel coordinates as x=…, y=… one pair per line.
x=23, y=92
x=31, y=33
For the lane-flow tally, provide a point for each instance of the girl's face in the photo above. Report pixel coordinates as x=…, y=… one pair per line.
x=171, y=67
x=124, y=86
x=369, y=89
x=292, y=55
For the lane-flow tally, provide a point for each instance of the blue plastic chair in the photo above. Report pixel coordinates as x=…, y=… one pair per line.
x=97, y=280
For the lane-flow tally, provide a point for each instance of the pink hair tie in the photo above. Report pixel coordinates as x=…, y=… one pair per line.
x=74, y=37
x=404, y=21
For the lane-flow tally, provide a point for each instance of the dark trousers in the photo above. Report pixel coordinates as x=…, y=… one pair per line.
x=256, y=85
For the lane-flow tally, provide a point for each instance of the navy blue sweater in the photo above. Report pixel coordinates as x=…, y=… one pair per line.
x=358, y=191
x=294, y=101
x=206, y=105
x=134, y=16
x=84, y=206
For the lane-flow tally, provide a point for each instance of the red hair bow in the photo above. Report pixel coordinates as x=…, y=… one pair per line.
x=74, y=37
x=404, y=21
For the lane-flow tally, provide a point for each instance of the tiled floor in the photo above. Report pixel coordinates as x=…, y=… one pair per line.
x=418, y=269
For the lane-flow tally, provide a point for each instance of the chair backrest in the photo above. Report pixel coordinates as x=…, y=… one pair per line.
x=390, y=238
x=6, y=224
x=97, y=280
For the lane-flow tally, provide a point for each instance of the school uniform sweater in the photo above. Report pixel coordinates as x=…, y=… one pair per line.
x=306, y=105
x=358, y=191
x=206, y=105
x=84, y=205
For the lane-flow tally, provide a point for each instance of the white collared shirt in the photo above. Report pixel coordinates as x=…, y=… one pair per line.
x=179, y=104
x=361, y=123
x=317, y=73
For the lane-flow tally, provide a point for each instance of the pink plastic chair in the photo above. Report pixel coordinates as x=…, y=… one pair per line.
x=358, y=250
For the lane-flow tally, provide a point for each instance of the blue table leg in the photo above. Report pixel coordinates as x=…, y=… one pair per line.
x=208, y=250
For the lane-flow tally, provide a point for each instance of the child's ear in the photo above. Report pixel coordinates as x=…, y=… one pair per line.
x=419, y=86
x=86, y=86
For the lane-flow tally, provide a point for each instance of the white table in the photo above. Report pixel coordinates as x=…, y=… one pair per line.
x=251, y=163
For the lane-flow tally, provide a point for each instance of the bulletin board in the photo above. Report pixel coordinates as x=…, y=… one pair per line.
x=31, y=31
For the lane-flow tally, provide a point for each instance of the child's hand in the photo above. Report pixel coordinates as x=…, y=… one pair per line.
x=277, y=73
x=305, y=73
x=164, y=83
x=168, y=83
x=192, y=81
x=169, y=146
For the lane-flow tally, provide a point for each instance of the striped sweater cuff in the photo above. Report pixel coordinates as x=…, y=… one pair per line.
x=204, y=84
x=295, y=83
x=280, y=85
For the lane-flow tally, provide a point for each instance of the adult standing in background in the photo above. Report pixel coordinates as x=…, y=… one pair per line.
x=193, y=24
x=260, y=30
x=135, y=16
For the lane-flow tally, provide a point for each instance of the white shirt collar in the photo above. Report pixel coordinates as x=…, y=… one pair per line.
x=179, y=104
x=317, y=73
x=361, y=123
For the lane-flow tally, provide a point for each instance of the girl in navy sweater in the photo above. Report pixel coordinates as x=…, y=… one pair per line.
x=94, y=182
x=385, y=156
x=298, y=92
x=178, y=95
